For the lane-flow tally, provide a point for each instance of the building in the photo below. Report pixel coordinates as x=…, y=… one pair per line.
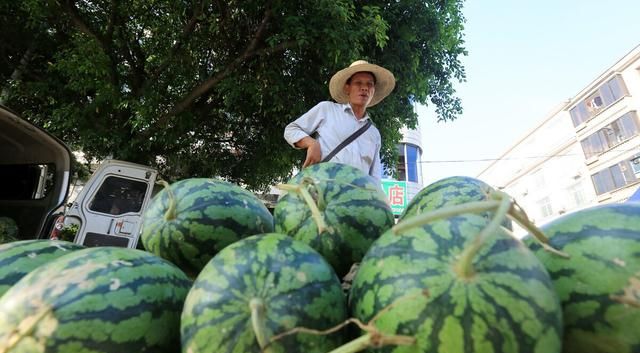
x=585, y=152
x=408, y=183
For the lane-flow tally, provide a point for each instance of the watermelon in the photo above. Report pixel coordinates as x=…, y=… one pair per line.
x=341, y=215
x=260, y=287
x=18, y=258
x=599, y=285
x=191, y=220
x=338, y=172
x=454, y=290
x=102, y=299
x=450, y=191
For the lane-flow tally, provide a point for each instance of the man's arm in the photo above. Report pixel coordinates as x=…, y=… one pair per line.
x=297, y=134
x=314, y=154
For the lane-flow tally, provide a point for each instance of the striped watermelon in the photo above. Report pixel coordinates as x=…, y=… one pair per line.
x=341, y=217
x=193, y=219
x=502, y=302
x=269, y=282
x=337, y=172
x=599, y=286
x=18, y=258
x=103, y=299
x=450, y=191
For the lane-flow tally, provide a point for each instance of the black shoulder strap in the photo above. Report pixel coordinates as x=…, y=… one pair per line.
x=348, y=140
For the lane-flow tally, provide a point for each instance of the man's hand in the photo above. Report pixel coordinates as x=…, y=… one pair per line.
x=314, y=154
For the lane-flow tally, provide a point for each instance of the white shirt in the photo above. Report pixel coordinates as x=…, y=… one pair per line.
x=333, y=123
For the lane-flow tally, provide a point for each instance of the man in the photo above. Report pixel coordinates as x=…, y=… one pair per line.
x=355, y=88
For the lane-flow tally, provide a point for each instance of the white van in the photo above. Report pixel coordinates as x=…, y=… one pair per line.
x=108, y=209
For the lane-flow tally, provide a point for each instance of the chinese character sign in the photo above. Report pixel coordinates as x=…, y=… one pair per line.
x=396, y=192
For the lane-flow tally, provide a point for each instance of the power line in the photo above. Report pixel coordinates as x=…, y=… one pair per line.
x=510, y=158
x=493, y=159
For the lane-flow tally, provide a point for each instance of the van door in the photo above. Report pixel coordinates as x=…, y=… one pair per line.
x=35, y=172
x=111, y=207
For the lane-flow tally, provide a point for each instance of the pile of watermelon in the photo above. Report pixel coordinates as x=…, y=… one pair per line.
x=220, y=273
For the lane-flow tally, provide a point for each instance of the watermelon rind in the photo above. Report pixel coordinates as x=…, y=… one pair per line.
x=337, y=172
x=103, y=299
x=18, y=258
x=353, y=213
x=599, y=284
x=210, y=214
x=296, y=285
x=412, y=281
x=450, y=191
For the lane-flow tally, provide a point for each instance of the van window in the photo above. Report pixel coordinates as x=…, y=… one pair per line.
x=26, y=181
x=117, y=196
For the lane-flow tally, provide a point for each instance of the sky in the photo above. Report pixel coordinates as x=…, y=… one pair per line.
x=524, y=59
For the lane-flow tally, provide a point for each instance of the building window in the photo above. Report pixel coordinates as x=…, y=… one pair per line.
x=614, y=177
x=579, y=114
x=408, y=164
x=607, y=94
x=544, y=205
x=594, y=103
x=621, y=130
x=635, y=164
x=413, y=159
x=577, y=196
x=402, y=165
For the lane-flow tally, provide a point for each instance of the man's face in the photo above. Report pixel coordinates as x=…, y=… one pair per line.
x=360, y=89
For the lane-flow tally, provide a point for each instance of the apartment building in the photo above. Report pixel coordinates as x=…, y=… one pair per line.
x=586, y=151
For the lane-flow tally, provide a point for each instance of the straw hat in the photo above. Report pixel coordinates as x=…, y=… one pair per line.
x=385, y=82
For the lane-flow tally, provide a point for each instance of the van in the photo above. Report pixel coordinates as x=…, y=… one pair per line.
x=108, y=210
x=35, y=177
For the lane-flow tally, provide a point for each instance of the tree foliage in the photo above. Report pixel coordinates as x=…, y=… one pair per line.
x=205, y=87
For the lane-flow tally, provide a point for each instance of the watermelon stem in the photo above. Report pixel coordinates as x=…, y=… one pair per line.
x=258, y=322
x=517, y=214
x=313, y=207
x=319, y=198
x=373, y=337
x=375, y=340
x=171, y=213
x=424, y=218
x=464, y=268
x=361, y=343
x=498, y=197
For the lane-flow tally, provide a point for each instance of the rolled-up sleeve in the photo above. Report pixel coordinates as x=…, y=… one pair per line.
x=305, y=125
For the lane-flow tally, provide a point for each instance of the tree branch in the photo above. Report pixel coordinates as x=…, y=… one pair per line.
x=189, y=27
x=209, y=83
x=17, y=73
x=112, y=19
x=70, y=8
x=138, y=59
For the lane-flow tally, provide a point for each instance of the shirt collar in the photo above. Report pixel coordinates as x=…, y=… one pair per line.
x=347, y=108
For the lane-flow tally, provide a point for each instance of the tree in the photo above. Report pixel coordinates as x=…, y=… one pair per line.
x=205, y=87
